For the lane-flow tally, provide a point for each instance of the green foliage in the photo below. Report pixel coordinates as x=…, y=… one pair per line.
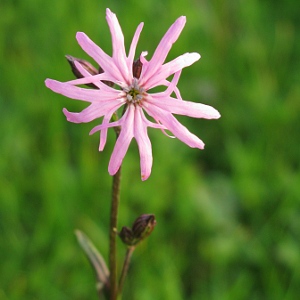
x=227, y=217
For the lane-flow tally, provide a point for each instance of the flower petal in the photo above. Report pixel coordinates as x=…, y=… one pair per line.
x=182, y=107
x=119, y=54
x=133, y=46
x=103, y=132
x=92, y=112
x=103, y=60
x=175, y=127
x=163, y=49
x=144, y=144
x=151, y=124
x=170, y=68
x=175, y=89
x=77, y=93
x=123, y=141
x=172, y=86
x=85, y=73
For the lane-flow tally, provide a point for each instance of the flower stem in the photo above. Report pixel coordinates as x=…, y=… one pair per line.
x=125, y=268
x=113, y=231
x=113, y=235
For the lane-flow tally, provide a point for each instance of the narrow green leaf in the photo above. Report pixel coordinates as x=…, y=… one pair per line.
x=96, y=259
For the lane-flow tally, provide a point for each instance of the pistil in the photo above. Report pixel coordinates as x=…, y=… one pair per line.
x=134, y=93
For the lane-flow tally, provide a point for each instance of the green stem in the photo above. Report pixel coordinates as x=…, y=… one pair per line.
x=125, y=268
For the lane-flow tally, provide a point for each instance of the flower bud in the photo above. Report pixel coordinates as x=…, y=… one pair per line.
x=85, y=64
x=126, y=236
x=137, y=68
x=141, y=228
x=89, y=67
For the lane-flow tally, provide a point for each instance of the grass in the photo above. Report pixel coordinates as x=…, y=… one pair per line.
x=228, y=216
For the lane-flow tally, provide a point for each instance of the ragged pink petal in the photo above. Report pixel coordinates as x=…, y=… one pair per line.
x=96, y=79
x=108, y=125
x=103, y=132
x=186, y=108
x=175, y=90
x=77, y=93
x=171, y=86
x=92, y=112
x=163, y=49
x=133, y=46
x=119, y=54
x=103, y=60
x=123, y=141
x=175, y=127
x=144, y=144
x=170, y=68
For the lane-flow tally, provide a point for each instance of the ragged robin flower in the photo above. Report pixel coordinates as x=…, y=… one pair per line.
x=132, y=83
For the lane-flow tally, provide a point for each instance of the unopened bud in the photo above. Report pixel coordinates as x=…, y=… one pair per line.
x=137, y=68
x=87, y=66
x=126, y=236
x=141, y=228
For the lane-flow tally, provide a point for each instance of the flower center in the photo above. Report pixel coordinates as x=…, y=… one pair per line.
x=134, y=93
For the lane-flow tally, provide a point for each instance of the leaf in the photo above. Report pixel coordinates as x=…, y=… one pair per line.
x=97, y=261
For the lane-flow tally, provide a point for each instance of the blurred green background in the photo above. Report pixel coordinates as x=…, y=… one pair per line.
x=228, y=217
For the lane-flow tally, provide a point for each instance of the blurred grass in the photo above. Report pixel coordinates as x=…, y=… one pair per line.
x=228, y=217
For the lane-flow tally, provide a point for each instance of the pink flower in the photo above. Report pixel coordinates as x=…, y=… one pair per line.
x=133, y=93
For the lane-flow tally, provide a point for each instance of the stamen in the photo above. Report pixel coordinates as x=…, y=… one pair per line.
x=134, y=93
